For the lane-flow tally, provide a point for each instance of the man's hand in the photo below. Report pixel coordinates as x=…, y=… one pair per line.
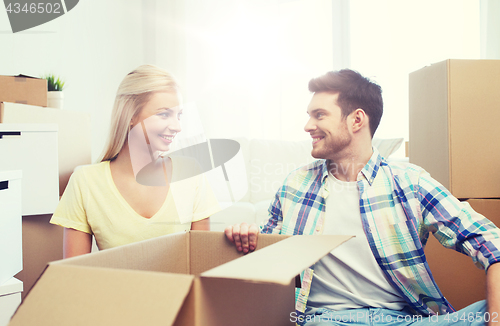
x=244, y=236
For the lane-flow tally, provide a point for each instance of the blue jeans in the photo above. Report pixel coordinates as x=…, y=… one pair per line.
x=475, y=314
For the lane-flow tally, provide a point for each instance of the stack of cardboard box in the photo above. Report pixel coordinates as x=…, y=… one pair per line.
x=16, y=152
x=454, y=112
x=46, y=144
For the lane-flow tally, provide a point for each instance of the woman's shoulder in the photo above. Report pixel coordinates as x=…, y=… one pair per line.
x=91, y=170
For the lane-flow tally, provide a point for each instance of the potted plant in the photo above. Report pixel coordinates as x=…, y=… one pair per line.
x=55, y=95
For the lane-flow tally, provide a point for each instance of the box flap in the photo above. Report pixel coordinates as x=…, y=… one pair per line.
x=26, y=76
x=167, y=253
x=280, y=262
x=20, y=76
x=203, y=257
x=76, y=295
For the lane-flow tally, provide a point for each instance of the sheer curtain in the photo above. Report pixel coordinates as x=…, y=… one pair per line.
x=246, y=64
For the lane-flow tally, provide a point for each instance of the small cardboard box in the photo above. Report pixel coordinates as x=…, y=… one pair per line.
x=193, y=278
x=441, y=260
x=454, y=109
x=23, y=89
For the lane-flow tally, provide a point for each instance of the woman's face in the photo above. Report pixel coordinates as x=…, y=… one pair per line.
x=161, y=119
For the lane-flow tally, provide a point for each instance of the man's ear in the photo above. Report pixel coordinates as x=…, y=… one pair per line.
x=359, y=120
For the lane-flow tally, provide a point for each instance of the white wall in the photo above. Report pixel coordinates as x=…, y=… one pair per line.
x=92, y=47
x=490, y=29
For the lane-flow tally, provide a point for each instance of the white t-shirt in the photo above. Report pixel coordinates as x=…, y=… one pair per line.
x=349, y=277
x=91, y=203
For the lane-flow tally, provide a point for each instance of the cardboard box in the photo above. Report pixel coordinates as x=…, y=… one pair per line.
x=11, y=250
x=454, y=109
x=73, y=137
x=194, y=278
x=472, y=280
x=42, y=243
x=32, y=148
x=23, y=89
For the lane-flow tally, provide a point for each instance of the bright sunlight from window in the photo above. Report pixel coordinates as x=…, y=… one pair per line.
x=391, y=38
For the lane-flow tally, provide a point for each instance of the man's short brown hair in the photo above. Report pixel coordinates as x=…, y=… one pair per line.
x=355, y=91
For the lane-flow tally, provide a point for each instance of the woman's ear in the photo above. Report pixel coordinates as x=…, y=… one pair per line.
x=133, y=122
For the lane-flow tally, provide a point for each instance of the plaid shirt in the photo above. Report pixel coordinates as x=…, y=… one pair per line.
x=400, y=205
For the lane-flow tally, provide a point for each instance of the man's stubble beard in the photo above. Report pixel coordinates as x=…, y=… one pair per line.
x=335, y=146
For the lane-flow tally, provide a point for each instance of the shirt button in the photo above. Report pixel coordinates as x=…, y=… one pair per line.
x=369, y=230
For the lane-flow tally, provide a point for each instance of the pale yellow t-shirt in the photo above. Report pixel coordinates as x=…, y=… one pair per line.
x=91, y=203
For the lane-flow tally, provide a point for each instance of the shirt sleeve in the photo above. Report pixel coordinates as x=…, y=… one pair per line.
x=275, y=220
x=456, y=225
x=70, y=212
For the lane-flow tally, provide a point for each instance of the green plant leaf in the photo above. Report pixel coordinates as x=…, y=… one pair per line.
x=54, y=84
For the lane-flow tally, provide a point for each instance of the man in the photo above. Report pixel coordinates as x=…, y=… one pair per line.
x=381, y=275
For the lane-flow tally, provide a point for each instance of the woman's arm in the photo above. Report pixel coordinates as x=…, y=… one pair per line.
x=76, y=243
x=203, y=225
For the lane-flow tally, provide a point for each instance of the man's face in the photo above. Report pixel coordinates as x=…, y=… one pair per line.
x=327, y=127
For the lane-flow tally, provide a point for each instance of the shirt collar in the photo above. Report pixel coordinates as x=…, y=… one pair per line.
x=369, y=171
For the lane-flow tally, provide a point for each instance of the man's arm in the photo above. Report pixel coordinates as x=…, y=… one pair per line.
x=456, y=225
x=493, y=292
x=473, y=233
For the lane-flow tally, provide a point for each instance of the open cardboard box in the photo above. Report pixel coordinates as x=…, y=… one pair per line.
x=192, y=278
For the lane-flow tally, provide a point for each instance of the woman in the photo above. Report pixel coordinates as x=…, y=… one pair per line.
x=106, y=200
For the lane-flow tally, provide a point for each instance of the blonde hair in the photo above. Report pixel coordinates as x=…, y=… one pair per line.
x=133, y=93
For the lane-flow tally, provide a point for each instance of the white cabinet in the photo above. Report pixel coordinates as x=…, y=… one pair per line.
x=10, y=298
x=32, y=148
x=11, y=253
x=73, y=133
